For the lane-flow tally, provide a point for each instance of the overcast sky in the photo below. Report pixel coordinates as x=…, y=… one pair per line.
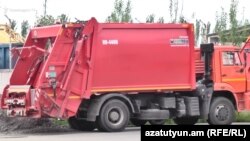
x=84, y=9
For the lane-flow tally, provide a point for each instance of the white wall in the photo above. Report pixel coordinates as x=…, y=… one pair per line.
x=4, y=78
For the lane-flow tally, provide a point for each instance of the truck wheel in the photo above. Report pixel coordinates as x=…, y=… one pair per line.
x=157, y=122
x=186, y=120
x=138, y=122
x=113, y=117
x=221, y=112
x=82, y=125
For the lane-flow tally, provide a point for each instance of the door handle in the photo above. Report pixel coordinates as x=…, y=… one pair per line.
x=223, y=75
x=240, y=70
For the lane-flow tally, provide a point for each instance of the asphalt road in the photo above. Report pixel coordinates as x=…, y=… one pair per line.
x=130, y=134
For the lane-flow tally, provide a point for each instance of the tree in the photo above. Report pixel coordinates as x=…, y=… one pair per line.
x=120, y=13
x=45, y=20
x=24, y=28
x=208, y=27
x=13, y=24
x=201, y=29
x=63, y=18
x=127, y=13
x=234, y=36
x=182, y=19
x=221, y=25
x=173, y=10
x=160, y=20
x=176, y=8
x=150, y=18
x=205, y=29
x=197, y=30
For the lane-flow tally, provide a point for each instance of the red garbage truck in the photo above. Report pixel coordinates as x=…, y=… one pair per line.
x=103, y=75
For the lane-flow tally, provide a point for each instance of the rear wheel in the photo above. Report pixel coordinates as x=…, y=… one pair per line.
x=222, y=112
x=114, y=116
x=186, y=120
x=138, y=122
x=157, y=122
x=82, y=125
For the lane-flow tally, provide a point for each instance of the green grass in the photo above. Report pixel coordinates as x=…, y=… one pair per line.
x=60, y=122
x=243, y=117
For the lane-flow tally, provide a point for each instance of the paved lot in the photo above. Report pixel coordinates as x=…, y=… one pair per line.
x=130, y=134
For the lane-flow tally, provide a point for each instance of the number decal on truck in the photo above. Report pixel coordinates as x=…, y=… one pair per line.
x=179, y=42
x=110, y=42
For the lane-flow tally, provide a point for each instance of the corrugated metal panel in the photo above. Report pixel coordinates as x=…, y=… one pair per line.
x=4, y=55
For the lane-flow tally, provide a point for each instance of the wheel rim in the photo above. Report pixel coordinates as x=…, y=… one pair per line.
x=222, y=112
x=115, y=116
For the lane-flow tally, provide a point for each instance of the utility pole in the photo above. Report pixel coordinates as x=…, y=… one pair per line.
x=45, y=7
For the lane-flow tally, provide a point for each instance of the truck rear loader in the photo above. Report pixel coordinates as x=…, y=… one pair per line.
x=103, y=75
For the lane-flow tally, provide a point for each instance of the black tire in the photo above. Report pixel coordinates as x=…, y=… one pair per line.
x=81, y=125
x=157, y=122
x=222, y=112
x=113, y=117
x=138, y=122
x=186, y=120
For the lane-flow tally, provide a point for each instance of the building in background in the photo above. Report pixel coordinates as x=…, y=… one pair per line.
x=7, y=37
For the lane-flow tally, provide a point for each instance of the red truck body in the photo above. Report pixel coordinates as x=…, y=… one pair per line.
x=109, y=58
x=138, y=57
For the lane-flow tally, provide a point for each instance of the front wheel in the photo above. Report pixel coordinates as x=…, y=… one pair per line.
x=222, y=112
x=114, y=116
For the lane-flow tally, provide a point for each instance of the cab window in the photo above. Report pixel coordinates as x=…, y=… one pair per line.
x=230, y=59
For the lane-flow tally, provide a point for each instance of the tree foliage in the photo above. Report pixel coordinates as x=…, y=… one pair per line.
x=205, y=29
x=150, y=18
x=24, y=28
x=221, y=25
x=173, y=10
x=121, y=13
x=160, y=20
x=45, y=20
x=201, y=30
x=13, y=24
x=234, y=36
x=176, y=9
x=63, y=18
x=182, y=19
x=197, y=30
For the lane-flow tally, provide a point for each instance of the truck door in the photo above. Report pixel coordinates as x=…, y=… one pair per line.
x=232, y=71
